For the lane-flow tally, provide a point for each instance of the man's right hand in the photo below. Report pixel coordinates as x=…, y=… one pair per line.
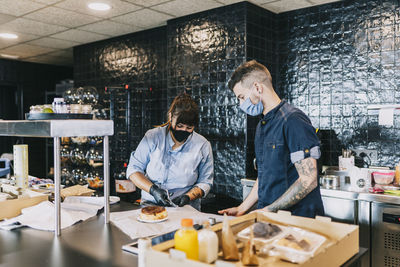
x=235, y=211
x=160, y=195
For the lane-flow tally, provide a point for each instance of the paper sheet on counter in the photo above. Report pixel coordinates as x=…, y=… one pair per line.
x=128, y=223
x=42, y=216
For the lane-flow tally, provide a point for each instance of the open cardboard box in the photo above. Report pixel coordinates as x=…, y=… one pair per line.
x=12, y=207
x=342, y=242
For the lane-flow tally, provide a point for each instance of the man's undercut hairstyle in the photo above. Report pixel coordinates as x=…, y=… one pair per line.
x=249, y=72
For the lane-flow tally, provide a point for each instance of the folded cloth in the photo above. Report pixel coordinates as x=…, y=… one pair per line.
x=41, y=216
x=127, y=221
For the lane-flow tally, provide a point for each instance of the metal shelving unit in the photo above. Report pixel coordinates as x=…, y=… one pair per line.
x=65, y=128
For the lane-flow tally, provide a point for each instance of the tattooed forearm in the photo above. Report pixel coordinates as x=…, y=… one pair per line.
x=306, y=182
x=195, y=193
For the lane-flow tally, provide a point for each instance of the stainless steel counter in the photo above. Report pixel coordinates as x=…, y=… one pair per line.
x=378, y=217
x=88, y=243
x=364, y=196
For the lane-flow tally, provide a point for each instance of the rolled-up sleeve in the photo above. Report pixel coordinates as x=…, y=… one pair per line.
x=206, y=169
x=140, y=157
x=301, y=138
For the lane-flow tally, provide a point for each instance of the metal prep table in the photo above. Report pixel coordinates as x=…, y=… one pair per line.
x=65, y=128
x=378, y=217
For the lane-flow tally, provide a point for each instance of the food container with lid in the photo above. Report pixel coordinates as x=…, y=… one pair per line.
x=383, y=176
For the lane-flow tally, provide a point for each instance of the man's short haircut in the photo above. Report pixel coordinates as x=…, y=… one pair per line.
x=250, y=69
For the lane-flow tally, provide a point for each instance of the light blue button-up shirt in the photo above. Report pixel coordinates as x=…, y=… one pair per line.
x=177, y=170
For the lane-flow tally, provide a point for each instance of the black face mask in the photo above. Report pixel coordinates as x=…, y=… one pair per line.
x=180, y=135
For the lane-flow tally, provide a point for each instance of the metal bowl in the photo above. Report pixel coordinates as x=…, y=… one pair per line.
x=330, y=181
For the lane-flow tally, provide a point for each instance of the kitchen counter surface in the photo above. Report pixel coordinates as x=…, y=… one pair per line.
x=88, y=243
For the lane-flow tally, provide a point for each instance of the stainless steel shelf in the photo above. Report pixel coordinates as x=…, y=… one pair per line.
x=65, y=128
x=56, y=128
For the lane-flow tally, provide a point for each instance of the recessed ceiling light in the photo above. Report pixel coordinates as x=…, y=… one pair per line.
x=8, y=35
x=9, y=56
x=99, y=6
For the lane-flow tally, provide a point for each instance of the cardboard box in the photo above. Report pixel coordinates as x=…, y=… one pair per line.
x=342, y=242
x=12, y=208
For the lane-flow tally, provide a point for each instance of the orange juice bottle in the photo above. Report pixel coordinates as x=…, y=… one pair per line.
x=186, y=240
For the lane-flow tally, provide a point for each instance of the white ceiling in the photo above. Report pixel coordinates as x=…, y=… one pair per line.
x=48, y=29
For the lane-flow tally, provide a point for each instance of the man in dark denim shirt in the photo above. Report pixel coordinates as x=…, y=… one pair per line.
x=286, y=147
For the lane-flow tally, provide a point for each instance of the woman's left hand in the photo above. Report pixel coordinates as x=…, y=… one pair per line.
x=182, y=200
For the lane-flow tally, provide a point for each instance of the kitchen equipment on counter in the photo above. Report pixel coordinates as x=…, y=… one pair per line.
x=359, y=179
x=346, y=160
x=343, y=175
x=330, y=181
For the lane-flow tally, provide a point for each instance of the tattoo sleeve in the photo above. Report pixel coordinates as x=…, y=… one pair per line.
x=195, y=193
x=307, y=181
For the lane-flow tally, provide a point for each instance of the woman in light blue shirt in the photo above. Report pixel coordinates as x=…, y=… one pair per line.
x=173, y=162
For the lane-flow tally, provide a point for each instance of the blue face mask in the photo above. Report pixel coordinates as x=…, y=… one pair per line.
x=252, y=109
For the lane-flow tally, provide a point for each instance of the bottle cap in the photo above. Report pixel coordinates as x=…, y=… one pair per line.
x=187, y=222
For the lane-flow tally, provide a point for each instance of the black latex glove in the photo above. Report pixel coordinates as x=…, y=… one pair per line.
x=160, y=195
x=181, y=200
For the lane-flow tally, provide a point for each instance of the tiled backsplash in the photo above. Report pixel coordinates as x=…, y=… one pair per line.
x=337, y=59
x=139, y=61
x=202, y=50
x=262, y=40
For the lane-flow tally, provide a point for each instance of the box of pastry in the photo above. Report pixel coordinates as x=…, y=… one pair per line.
x=270, y=239
x=13, y=200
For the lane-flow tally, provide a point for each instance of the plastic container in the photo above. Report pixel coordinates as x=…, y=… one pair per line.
x=397, y=175
x=21, y=167
x=186, y=240
x=383, y=176
x=59, y=105
x=208, y=244
x=287, y=250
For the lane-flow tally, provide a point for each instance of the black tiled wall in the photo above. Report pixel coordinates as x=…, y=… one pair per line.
x=331, y=61
x=337, y=59
x=262, y=39
x=203, y=49
x=30, y=81
x=139, y=61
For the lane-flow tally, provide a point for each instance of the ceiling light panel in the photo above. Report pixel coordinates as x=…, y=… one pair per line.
x=24, y=50
x=110, y=28
x=58, y=16
x=32, y=27
x=80, y=36
x=144, y=18
x=19, y=7
x=53, y=43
